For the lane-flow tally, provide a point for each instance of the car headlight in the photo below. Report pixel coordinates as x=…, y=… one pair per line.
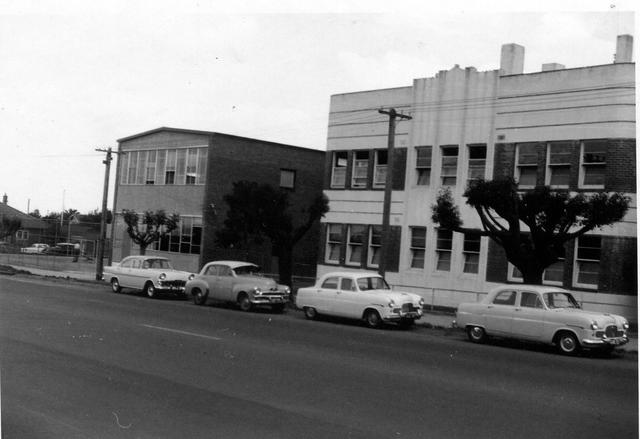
x=421, y=302
x=257, y=291
x=625, y=325
x=287, y=290
x=191, y=276
x=162, y=276
x=391, y=303
x=594, y=325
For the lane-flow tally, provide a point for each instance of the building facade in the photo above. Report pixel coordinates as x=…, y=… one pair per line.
x=572, y=129
x=189, y=172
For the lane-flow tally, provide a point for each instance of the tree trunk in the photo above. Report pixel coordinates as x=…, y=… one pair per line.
x=143, y=249
x=285, y=266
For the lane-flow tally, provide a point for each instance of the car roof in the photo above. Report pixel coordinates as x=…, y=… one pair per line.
x=145, y=257
x=529, y=287
x=232, y=264
x=350, y=274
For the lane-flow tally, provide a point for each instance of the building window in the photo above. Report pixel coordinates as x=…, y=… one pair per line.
x=133, y=167
x=449, y=165
x=375, y=241
x=423, y=165
x=201, y=172
x=355, y=244
x=186, y=238
x=142, y=164
x=587, y=261
x=170, y=167
x=150, y=169
x=339, y=166
x=554, y=273
x=418, y=245
x=477, y=161
x=471, y=253
x=334, y=243
x=380, y=169
x=22, y=235
x=526, y=165
x=444, y=246
x=559, y=164
x=181, y=162
x=287, y=178
x=360, y=169
x=192, y=166
x=593, y=164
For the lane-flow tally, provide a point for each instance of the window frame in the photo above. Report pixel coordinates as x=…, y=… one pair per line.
x=555, y=166
x=360, y=164
x=520, y=165
x=335, y=165
x=380, y=169
x=585, y=165
x=423, y=170
x=352, y=245
x=374, y=248
x=473, y=162
x=415, y=248
x=466, y=252
x=454, y=159
x=440, y=251
x=577, y=260
x=329, y=242
x=287, y=175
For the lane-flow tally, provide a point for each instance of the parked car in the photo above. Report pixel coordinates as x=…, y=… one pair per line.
x=238, y=282
x=61, y=249
x=35, y=248
x=542, y=314
x=360, y=295
x=152, y=274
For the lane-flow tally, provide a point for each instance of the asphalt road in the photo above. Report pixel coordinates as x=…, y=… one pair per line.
x=78, y=361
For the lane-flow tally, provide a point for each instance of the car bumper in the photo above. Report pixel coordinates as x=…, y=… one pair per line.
x=269, y=300
x=394, y=317
x=605, y=342
x=170, y=290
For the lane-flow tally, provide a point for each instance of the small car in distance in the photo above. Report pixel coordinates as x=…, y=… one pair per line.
x=237, y=282
x=541, y=314
x=35, y=248
x=61, y=249
x=360, y=295
x=153, y=275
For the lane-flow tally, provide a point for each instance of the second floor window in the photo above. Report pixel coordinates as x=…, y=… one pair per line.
x=593, y=161
x=360, y=169
x=449, y=165
x=477, y=161
x=339, y=169
x=380, y=169
x=423, y=164
x=526, y=165
x=287, y=178
x=559, y=164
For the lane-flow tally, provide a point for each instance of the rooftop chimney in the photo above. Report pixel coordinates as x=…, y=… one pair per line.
x=552, y=66
x=512, y=59
x=5, y=199
x=624, y=49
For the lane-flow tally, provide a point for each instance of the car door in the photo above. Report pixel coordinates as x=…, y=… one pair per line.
x=499, y=313
x=224, y=283
x=327, y=295
x=209, y=276
x=347, y=299
x=124, y=273
x=529, y=316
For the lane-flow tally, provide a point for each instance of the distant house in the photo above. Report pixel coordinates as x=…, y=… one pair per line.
x=31, y=229
x=189, y=172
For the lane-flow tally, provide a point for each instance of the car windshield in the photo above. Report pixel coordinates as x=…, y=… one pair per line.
x=372, y=283
x=247, y=270
x=560, y=300
x=156, y=263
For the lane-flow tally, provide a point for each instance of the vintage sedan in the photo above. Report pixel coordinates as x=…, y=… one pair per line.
x=542, y=314
x=152, y=274
x=238, y=282
x=359, y=295
x=35, y=248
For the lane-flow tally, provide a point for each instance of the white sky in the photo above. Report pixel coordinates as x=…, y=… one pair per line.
x=75, y=77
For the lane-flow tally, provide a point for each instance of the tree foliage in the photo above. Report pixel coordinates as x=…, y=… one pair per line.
x=259, y=212
x=9, y=226
x=531, y=226
x=148, y=228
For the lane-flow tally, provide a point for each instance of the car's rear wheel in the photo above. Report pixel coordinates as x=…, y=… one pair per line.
x=115, y=285
x=310, y=312
x=150, y=290
x=567, y=343
x=199, y=297
x=372, y=319
x=244, y=302
x=476, y=334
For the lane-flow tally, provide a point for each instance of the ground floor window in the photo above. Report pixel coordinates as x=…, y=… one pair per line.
x=587, y=261
x=444, y=246
x=186, y=238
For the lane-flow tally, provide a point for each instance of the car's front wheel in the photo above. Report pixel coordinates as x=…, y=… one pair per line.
x=567, y=343
x=115, y=285
x=244, y=302
x=372, y=319
x=476, y=334
x=310, y=312
x=150, y=290
x=199, y=297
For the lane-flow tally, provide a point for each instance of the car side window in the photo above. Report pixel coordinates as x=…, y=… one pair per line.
x=346, y=284
x=530, y=300
x=212, y=270
x=224, y=271
x=146, y=264
x=505, y=298
x=135, y=263
x=331, y=283
x=126, y=264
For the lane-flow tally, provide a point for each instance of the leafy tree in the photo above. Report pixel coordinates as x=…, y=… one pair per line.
x=35, y=213
x=258, y=212
x=9, y=226
x=95, y=217
x=148, y=229
x=552, y=218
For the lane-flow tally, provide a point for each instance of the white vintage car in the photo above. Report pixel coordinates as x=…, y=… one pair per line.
x=151, y=274
x=238, y=282
x=359, y=295
x=35, y=248
x=542, y=314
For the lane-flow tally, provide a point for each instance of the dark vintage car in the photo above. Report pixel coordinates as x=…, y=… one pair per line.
x=61, y=249
x=237, y=282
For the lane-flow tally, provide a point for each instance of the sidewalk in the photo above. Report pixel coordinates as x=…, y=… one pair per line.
x=431, y=319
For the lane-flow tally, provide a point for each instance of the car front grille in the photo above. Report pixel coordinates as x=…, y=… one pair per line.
x=408, y=307
x=612, y=331
x=174, y=283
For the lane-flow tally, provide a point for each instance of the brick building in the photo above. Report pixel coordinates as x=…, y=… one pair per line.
x=572, y=129
x=189, y=172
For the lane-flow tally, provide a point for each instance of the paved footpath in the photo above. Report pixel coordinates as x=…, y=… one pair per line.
x=429, y=319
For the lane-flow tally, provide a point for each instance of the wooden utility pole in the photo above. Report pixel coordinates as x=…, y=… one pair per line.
x=388, y=187
x=103, y=219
